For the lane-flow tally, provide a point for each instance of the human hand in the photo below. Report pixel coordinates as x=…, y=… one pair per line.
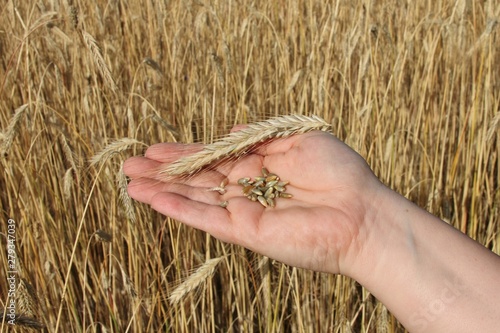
x=341, y=219
x=320, y=228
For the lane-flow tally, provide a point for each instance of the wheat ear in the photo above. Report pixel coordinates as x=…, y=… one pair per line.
x=26, y=299
x=240, y=142
x=124, y=197
x=115, y=147
x=194, y=280
x=494, y=124
x=96, y=53
x=30, y=323
x=12, y=128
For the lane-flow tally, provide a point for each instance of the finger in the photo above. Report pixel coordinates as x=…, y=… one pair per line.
x=138, y=189
x=170, y=152
x=137, y=166
x=207, y=178
x=210, y=218
x=144, y=189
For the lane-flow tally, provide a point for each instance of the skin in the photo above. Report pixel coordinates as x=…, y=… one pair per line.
x=341, y=220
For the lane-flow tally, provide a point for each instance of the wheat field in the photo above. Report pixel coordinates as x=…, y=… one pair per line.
x=413, y=86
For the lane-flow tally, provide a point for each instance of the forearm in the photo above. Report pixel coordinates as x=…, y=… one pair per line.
x=432, y=277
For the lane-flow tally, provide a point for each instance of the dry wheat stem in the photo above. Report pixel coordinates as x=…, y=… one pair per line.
x=240, y=142
x=194, y=280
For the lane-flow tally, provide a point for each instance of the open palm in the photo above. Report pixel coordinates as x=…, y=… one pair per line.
x=331, y=187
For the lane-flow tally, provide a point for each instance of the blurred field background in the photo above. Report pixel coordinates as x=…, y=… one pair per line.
x=413, y=86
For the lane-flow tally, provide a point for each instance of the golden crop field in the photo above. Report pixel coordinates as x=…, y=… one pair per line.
x=413, y=86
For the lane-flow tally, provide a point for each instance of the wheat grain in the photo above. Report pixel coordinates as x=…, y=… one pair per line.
x=194, y=280
x=264, y=268
x=240, y=142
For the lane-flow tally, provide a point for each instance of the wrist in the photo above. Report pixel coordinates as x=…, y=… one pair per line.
x=422, y=269
x=379, y=229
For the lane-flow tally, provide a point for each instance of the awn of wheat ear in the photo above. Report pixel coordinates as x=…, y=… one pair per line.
x=241, y=142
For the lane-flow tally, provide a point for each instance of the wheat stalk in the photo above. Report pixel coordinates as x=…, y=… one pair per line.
x=238, y=143
x=264, y=267
x=194, y=280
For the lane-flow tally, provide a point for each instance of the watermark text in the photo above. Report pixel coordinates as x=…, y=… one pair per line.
x=10, y=313
x=444, y=299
